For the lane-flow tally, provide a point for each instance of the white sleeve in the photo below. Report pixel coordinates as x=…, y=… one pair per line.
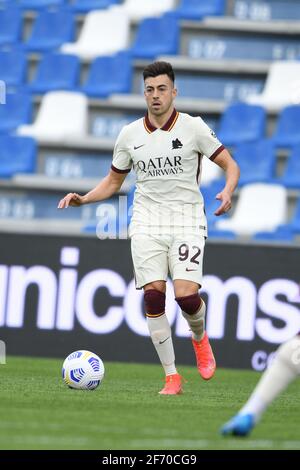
x=206, y=140
x=122, y=161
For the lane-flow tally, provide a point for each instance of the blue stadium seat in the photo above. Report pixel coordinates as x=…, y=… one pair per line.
x=16, y=111
x=41, y=4
x=156, y=36
x=241, y=122
x=210, y=202
x=51, y=30
x=111, y=74
x=84, y=6
x=224, y=234
x=56, y=72
x=266, y=10
x=196, y=10
x=291, y=176
x=295, y=222
x=257, y=161
x=282, y=233
x=287, y=132
x=17, y=155
x=13, y=68
x=10, y=26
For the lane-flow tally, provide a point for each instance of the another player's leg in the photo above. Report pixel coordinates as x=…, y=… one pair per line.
x=161, y=335
x=193, y=309
x=284, y=369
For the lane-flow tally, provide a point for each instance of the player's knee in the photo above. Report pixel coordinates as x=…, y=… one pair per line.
x=289, y=353
x=190, y=304
x=155, y=302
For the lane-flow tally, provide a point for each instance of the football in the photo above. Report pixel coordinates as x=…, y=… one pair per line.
x=83, y=370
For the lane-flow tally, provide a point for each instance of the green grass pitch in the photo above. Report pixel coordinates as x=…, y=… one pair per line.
x=38, y=411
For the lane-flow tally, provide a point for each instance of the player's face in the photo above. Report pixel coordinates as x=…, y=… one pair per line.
x=159, y=93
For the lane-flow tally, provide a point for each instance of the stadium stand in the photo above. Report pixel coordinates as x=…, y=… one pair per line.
x=96, y=39
x=62, y=115
x=242, y=123
x=156, y=36
x=56, y=72
x=281, y=88
x=222, y=62
x=110, y=74
x=137, y=10
x=16, y=111
x=84, y=6
x=287, y=129
x=13, y=68
x=195, y=10
x=17, y=155
x=255, y=209
x=10, y=26
x=291, y=175
x=257, y=161
x=50, y=30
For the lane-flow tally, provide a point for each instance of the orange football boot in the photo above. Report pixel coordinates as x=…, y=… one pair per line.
x=173, y=385
x=205, y=358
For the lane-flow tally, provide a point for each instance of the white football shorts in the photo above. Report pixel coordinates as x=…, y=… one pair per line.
x=156, y=256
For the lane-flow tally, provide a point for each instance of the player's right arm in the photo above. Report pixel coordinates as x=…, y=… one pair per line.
x=104, y=190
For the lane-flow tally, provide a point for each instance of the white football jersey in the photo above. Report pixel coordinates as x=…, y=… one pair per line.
x=167, y=163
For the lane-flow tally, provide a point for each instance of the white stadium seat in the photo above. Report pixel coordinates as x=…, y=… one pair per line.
x=209, y=172
x=62, y=115
x=104, y=32
x=138, y=10
x=282, y=87
x=260, y=207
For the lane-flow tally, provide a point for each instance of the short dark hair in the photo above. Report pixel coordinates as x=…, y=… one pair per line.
x=159, y=68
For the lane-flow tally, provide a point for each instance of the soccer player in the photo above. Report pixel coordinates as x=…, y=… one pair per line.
x=284, y=369
x=168, y=226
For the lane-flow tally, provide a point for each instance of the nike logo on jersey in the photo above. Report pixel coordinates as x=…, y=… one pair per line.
x=188, y=270
x=161, y=342
x=138, y=146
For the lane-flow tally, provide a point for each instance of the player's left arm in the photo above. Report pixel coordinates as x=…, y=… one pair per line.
x=232, y=171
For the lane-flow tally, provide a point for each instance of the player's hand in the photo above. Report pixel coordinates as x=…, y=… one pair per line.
x=225, y=197
x=71, y=199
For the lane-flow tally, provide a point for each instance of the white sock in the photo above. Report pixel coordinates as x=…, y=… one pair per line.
x=284, y=369
x=161, y=336
x=196, y=321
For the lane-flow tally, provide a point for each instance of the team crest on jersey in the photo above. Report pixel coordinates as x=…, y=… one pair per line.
x=176, y=144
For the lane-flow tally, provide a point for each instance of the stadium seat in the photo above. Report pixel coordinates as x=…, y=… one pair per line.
x=257, y=161
x=109, y=75
x=260, y=207
x=281, y=88
x=10, y=26
x=41, y=4
x=13, y=68
x=197, y=10
x=267, y=10
x=242, y=123
x=209, y=172
x=138, y=10
x=17, y=155
x=210, y=202
x=16, y=111
x=84, y=6
x=50, y=30
x=295, y=222
x=96, y=36
x=287, y=131
x=291, y=175
x=156, y=36
x=281, y=234
x=56, y=72
x=62, y=115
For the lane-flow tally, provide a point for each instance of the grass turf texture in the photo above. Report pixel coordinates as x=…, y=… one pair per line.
x=38, y=411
